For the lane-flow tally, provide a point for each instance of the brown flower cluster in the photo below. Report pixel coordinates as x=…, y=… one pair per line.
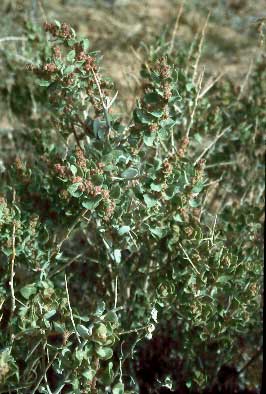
x=50, y=68
x=163, y=68
x=153, y=127
x=64, y=31
x=61, y=170
x=183, y=147
x=90, y=64
x=80, y=158
x=109, y=210
x=90, y=189
x=57, y=52
x=81, y=55
x=167, y=93
x=70, y=79
x=98, y=170
x=167, y=167
x=199, y=171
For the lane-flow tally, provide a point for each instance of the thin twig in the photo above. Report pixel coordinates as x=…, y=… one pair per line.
x=69, y=231
x=64, y=266
x=105, y=109
x=203, y=32
x=62, y=385
x=44, y=373
x=211, y=145
x=116, y=292
x=180, y=10
x=134, y=330
x=195, y=104
x=12, y=38
x=243, y=85
x=191, y=51
x=221, y=164
x=210, y=84
x=213, y=229
x=13, y=256
x=70, y=311
x=253, y=358
x=189, y=259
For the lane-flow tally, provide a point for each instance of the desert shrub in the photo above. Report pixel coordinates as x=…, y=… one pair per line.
x=106, y=235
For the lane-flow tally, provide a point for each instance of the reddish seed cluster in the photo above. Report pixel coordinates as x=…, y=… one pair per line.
x=70, y=79
x=81, y=56
x=167, y=93
x=89, y=64
x=183, y=147
x=61, y=170
x=184, y=214
x=98, y=170
x=189, y=231
x=30, y=67
x=64, y=194
x=163, y=68
x=64, y=31
x=92, y=190
x=50, y=68
x=167, y=167
x=81, y=159
x=77, y=179
x=166, y=112
x=18, y=163
x=199, y=171
x=57, y=52
x=153, y=127
x=109, y=210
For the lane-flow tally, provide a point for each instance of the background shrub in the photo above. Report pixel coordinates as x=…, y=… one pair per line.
x=120, y=244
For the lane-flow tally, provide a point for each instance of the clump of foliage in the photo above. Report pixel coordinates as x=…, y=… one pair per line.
x=105, y=232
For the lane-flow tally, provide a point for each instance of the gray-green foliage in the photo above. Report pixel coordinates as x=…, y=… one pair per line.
x=106, y=227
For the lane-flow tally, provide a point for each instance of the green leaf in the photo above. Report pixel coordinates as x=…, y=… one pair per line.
x=49, y=314
x=152, y=98
x=149, y=139
x=83, y=331
x=158, y=232
x=177, y=218
x=104, y=353
x=44, y=83
x=73, y=188
x=100, y=308
x=71, y=55
x=198, y=187
x=156, y=187
x=57, y=23
x=144, y=118
x=86, y=44
x=123, y=230
x=149, y=200
x=28, y=291
x=224, y=279
x=97, y=179
x=157, y=114
x=69, y=69
x=73, y=169
x=111, y=316
x=194, y=203
x=89, y=374
x=130, y=173
x=117, y=256
x=92, y=203
x=118, y=388
x=107, y=375
x=115, y=192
